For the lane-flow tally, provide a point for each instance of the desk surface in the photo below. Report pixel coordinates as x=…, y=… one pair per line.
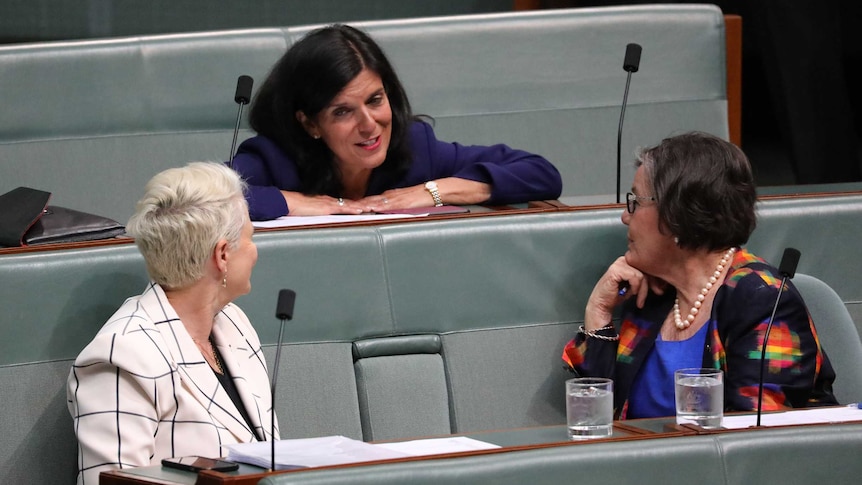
x=509, y=440
x=534, y=207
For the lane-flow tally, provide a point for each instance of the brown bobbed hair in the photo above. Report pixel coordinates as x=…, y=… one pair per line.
x=704, y=189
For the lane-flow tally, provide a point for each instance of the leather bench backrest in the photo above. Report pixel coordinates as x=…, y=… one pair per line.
x=503, y=293
x=837, y=333
x=94, y=120
x=43, y=20
x=793, y=455
x=401, y=381
x=552, y=82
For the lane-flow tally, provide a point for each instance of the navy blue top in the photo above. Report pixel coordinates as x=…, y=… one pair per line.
x=514, y=175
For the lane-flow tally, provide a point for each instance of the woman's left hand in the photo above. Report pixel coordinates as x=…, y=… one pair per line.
x=452, y=190
x=406, y=198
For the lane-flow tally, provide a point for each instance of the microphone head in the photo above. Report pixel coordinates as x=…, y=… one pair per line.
x=632, y=61
x=284, y=308
x=243, y=89
x=789, y=261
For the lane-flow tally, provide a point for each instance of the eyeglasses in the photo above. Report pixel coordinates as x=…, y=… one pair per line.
x=632, y=201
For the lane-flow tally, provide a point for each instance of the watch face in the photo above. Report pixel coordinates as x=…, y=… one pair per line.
x=431, y=185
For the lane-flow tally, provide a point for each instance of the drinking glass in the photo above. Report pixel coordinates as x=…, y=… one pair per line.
x=589, y=407
x=699, y=397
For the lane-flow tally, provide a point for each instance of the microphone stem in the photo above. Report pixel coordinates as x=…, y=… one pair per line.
x=272, y=389
x=235, y=133
x=763, y=350
x=620, y=133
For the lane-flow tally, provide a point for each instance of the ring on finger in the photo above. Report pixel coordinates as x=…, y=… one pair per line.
x=385, y=200
x=340, y=202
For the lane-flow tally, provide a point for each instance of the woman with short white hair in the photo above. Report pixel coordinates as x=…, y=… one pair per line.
x=177, y=370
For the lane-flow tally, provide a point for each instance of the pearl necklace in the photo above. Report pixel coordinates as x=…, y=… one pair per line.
x=698, y=302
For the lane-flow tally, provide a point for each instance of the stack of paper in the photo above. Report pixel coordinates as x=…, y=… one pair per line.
x=436, y=446
x=802, y=416
x=337, y=450
x=291, y=221
x=309, y=452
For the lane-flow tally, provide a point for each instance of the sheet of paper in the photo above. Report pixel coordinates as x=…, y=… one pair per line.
x=436, y=446
x=309, y=452
x=800, y=416
x=290, y=221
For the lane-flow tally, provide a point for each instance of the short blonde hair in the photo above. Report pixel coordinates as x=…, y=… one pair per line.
x=183, y=214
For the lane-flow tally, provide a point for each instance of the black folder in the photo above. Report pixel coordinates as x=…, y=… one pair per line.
x=27, y=219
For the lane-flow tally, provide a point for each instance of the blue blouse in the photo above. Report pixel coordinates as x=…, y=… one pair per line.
x=653, y=389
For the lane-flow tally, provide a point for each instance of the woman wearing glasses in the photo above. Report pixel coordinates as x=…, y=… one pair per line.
x=692, y=296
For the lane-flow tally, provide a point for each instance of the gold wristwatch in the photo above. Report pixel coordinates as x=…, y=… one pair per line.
x=431, y=187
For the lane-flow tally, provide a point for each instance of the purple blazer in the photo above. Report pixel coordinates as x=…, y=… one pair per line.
x=515, y=176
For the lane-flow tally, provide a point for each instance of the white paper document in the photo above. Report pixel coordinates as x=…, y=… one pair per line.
x=801, y=416
x=309, y=452
x=436, y=446
x=291, y=221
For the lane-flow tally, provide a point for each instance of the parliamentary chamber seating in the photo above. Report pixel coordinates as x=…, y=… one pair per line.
x=405, y=329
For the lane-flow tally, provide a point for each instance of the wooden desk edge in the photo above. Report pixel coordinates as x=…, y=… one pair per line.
x=209, y=477
x=534, y=207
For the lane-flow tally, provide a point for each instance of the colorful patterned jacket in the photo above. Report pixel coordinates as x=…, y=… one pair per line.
x=798, y=373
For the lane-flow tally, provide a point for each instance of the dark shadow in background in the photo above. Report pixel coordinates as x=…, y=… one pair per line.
x=801, y=110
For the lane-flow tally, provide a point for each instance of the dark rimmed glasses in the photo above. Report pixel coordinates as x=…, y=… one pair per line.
x=633, y=200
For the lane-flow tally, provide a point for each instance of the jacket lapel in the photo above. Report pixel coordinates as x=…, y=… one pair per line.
x=248, y=371
x=196, y=375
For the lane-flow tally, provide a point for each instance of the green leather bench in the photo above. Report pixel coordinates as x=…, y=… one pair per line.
x=458, y=321
x=779, y=456
x=43, y=20
x=94, y=120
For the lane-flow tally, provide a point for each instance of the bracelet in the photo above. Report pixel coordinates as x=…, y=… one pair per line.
x=594, y=334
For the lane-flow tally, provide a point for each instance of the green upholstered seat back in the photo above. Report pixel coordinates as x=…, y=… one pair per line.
x=94, y=120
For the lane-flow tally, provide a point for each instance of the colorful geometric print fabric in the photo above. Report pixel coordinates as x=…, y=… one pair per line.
x=797, y=372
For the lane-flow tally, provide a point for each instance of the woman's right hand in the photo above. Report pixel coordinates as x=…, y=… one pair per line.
x=606, y=294
x=319, y=205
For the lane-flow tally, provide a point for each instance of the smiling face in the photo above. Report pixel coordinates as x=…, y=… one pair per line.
x=356, y=125
x=648, y=247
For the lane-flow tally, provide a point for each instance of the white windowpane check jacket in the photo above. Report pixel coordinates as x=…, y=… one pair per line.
x=142, y=391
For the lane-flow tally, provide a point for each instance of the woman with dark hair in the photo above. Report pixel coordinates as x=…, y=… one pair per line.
x=692, y=296
x=336, y=135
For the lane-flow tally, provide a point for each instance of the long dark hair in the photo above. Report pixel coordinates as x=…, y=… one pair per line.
x=307, y=78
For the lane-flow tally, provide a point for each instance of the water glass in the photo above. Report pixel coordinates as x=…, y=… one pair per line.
x=699, y=397
x=589, y=407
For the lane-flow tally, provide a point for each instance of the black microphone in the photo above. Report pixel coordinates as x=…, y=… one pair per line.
x=631, y=63
x=242, y=97
x=786, y=269
x=283, y=311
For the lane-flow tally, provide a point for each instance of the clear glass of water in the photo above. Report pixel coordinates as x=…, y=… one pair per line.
x=589, y=407
x=699, y=397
